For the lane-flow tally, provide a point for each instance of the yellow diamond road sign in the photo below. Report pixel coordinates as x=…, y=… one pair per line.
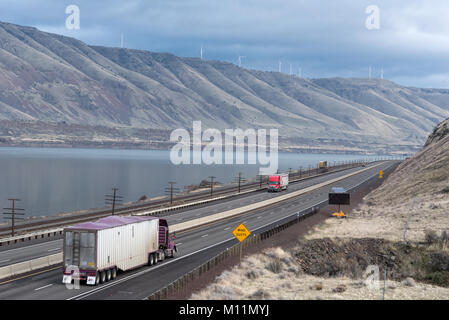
x=241, y=232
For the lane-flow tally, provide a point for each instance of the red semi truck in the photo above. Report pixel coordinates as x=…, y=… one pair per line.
x=95, y=251
x=278, y=182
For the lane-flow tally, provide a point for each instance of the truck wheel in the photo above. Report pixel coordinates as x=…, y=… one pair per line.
x=108, y=275
x=156, y=258
x=102, y=277
x=97, y=279
x=114, y=273
x=163, y=255
x=150, y=259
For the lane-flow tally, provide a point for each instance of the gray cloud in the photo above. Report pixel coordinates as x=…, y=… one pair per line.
x=323, y=38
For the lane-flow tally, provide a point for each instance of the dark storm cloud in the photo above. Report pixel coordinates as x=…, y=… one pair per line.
x=323, y=38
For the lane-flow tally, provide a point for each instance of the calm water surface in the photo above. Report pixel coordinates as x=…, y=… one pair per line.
x=50, y=180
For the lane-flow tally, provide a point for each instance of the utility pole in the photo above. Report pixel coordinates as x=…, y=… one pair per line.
x=260, y=181
x=240, y=180
x=211, y=184
x=113, y=199
x=171, y=190
x=13, y=214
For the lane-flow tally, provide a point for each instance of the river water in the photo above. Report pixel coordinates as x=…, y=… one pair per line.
x=52, y=180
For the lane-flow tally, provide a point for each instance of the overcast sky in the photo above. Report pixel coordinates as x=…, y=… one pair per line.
x=325, y=38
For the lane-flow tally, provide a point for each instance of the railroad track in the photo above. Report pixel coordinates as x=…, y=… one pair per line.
x=158, y=204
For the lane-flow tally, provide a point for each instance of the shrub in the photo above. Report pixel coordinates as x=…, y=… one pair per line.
x=444, y=237
x=251, y=275
x=274, y=266
x=445, y=190
x=439, y=261
x=260, y=294
x=317, y=286
x=340, y=288
x=439, y=278
x=431, y=237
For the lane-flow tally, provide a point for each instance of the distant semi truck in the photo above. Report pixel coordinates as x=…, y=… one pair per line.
x=95, y=251
x=278, y=182
x=322, y=166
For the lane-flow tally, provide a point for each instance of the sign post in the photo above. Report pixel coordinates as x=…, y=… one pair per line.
x=241, y=233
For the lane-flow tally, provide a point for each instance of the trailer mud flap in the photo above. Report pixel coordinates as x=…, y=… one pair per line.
x=67, y=279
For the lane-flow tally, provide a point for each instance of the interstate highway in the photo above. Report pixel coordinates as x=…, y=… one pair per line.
x=42, y=247
x=195, y=247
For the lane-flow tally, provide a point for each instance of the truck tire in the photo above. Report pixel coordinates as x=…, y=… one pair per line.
x=114, y=273
x=162, y=255
x=150, y=259
x=108, y=275
x=102, y=277
x=156, y=257
x=97, y=279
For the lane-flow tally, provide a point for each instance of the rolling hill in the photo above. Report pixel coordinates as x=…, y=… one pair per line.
x=48, y=79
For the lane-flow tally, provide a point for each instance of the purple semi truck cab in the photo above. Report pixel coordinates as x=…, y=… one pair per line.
x=95, y=251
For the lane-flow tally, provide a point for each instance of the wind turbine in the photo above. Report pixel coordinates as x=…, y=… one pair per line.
x=369, y=72
x=291, y=72
x=240, y=60
x=121, y=41
x=382, y=73
x=201, y=52
x=280, y=66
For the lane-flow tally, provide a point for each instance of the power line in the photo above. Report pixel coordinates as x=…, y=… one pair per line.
x=13, y=213
x=113, y=199
x=171, y=190
x=211, y=184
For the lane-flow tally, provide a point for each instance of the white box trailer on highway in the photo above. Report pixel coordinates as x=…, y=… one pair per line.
x=95, y=251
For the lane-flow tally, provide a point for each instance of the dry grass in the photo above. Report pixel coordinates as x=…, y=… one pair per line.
x=252, y=280
x=413, y=195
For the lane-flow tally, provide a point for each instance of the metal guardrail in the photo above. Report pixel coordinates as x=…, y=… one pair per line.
x=58, y=231
x=56, y=259
x=180, y=283
x=46, y=233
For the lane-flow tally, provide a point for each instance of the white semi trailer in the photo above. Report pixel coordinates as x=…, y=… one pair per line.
x=95, y=251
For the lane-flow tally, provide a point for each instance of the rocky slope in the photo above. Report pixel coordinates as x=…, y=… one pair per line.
x=51, y=78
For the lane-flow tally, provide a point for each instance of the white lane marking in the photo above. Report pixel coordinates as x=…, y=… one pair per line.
x=137, y=274
x=54, y=249
x=204, y=235
x=48, y=285
x=259, y=217
x=179, y=219
x=5, y=260
x=227, y=228
x=178, y=244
